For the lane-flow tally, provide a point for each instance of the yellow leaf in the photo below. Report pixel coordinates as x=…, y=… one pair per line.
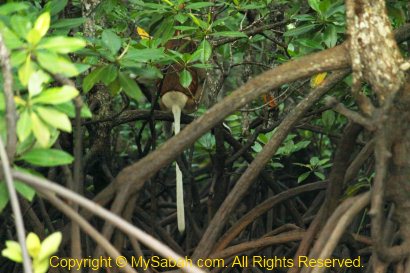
x=42, y=24
x=33, y=244
x=40, y=130
x=142, y=33
x=317, y=79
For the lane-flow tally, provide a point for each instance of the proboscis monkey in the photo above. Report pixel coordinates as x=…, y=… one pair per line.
x=176, y=98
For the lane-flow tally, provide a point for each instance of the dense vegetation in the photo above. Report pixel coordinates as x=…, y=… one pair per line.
x=298, y=133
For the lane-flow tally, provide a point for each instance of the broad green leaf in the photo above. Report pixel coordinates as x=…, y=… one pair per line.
x=328, y=119
x=129, y=86
x=321, y=176
x=25, y=71
x=50, y=246
x=4, y=196
x=42, y=24
x=18, y=57
x=36, y=81
x=24, y=125
x=314, y=4
x=114, y=87
x=33, y=244
x=68, y=23
x=237, y=34
x=57, y=64
x=299, y=30
x=111, y=41
x=21, y=25
x=55, y=6
x=25, y=190
x=61, y=44
x=54, y=118
x=56, y=95
x=9, y=8
x=185, y=78
x=12, y=251
x=40, y=130
x=199, y=5
x=47, y=157
x=330, y=36
x=12, y=41
x=303, y=177
x=198, y=21
x=144, y=55
x=69, y=109
x=91, y=79
x=110, y=73
x=203, y=52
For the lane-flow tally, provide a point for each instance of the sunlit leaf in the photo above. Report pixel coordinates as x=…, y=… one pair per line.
x=54, y=118
x=40, y=130
x=47, y=157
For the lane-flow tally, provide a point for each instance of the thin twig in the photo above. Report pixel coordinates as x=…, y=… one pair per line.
x=114, y=219
x=18, y=217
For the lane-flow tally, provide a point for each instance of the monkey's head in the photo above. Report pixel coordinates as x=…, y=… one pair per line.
x=170, y=83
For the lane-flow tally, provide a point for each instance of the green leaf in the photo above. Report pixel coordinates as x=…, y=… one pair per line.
x=314, y=4
x=21, y=25
x=4, y=196
x=144, y=55
x=40, y=130
x=11, y=39
x=50, y=246
x=110, y=73
x=9, y=8
x=47, y=157
x=91, y=79
x=328, y=119
x=12, y=251
x=198, y=21
x=56, y=95
x=236, y=34
x=57, y=64
x=42, y=24
x=330, y=36
x=185, y=78
x=199, y=5
x=25, y=71
x=26, y=191
x=54, y=118
x=68, y=23
x=111, y=41
x=114, y=87
x=129, y=86
x=203, y=52
x=55, y=6
x=61, y=44
x=24, y=125
x=69, y=109
x=299, y=30
x=303, y=177
x=321, y=176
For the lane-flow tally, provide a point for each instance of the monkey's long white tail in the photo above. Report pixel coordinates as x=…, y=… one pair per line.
x=176, y=110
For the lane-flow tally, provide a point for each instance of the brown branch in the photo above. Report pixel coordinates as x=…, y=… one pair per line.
x=290, y=236
x=9, y=99
x=246, y=180
x=260, y=209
